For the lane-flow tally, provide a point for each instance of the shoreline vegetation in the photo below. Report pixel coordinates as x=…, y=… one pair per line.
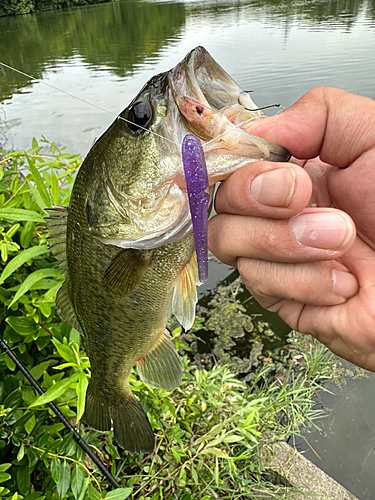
x=213, y=433
x=16, y=7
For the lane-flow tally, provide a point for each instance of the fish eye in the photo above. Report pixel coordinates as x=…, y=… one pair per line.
x=139, y=115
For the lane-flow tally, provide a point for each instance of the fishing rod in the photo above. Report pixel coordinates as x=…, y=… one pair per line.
x=103, y=469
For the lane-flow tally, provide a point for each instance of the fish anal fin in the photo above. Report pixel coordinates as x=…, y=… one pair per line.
x=185, y=295
x=65, y=308
x=161, y=367
x=132, y=430
x=126, y=271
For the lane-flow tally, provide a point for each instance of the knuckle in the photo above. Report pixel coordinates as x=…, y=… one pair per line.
x=218, y=241
x=255, y=275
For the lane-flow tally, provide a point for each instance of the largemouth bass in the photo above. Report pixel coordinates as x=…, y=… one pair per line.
x=129, y=256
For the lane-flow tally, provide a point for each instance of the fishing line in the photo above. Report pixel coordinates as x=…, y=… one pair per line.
x=124, y=119
x=58, y=414
x=84, y=101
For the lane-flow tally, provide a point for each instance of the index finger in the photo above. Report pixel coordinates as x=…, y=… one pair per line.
x=265, y=189
x=331, y=123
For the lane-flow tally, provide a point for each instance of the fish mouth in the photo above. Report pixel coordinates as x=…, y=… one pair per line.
x=219, y=112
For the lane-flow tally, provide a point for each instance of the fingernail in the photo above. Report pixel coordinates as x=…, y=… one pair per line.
x=324, y=230
x=274, y=188
x=344, y=284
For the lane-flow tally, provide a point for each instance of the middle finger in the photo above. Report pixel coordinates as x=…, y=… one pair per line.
x=314, y=234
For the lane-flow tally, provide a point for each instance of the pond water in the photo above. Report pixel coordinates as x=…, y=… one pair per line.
x=103, y=54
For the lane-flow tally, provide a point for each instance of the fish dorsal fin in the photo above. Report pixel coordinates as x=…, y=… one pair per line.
x=65, y=308
x=56, y=226
x=185, y=295
x=161, y=367
x=126, y=271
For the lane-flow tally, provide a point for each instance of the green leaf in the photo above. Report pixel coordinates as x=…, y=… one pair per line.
x=4, y=476
x=55, y=391
x=34, y=143
x=112, y=451
x=23, y=479
x=11, y=365
x=14, y=184
x=56, y=469
x=81, y=394
x=232, y=438
x=38, y=370
x=34, y=278
x=76, y=483
x=85, y=485
x=45, y=308
x=21, y=452
x=39, y=182
x=20, y=259
x=4, y=252
x=250, y=418
x=27, y=233
x=37, y=495
x=194, y=473
x=22, y=325
x=12, y=231
x=20, y=214
x=63, y=484
x=119, y=494
x=5, y=467
x=54, y=187
x=36, y=196
x=93, y=493
x=52, y=291
x=29, y=426
x=216, y=452
x=65, y=351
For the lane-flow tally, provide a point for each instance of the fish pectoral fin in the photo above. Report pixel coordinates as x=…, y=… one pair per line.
x=126, y=271
x=65, y=308
x=132, y=430
x=56, y=224
x=161, y=367
x=185, y=295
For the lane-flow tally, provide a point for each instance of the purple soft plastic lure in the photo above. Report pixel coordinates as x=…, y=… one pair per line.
x=197, y=182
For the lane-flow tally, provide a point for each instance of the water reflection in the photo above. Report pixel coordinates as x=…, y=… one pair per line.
x=350, y=412
x=120, y=36
x=324, y=13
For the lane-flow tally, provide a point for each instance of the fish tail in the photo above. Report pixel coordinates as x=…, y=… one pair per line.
x=132, y=430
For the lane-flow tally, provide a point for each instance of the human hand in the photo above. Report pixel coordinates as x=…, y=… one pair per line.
x=303, y=239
